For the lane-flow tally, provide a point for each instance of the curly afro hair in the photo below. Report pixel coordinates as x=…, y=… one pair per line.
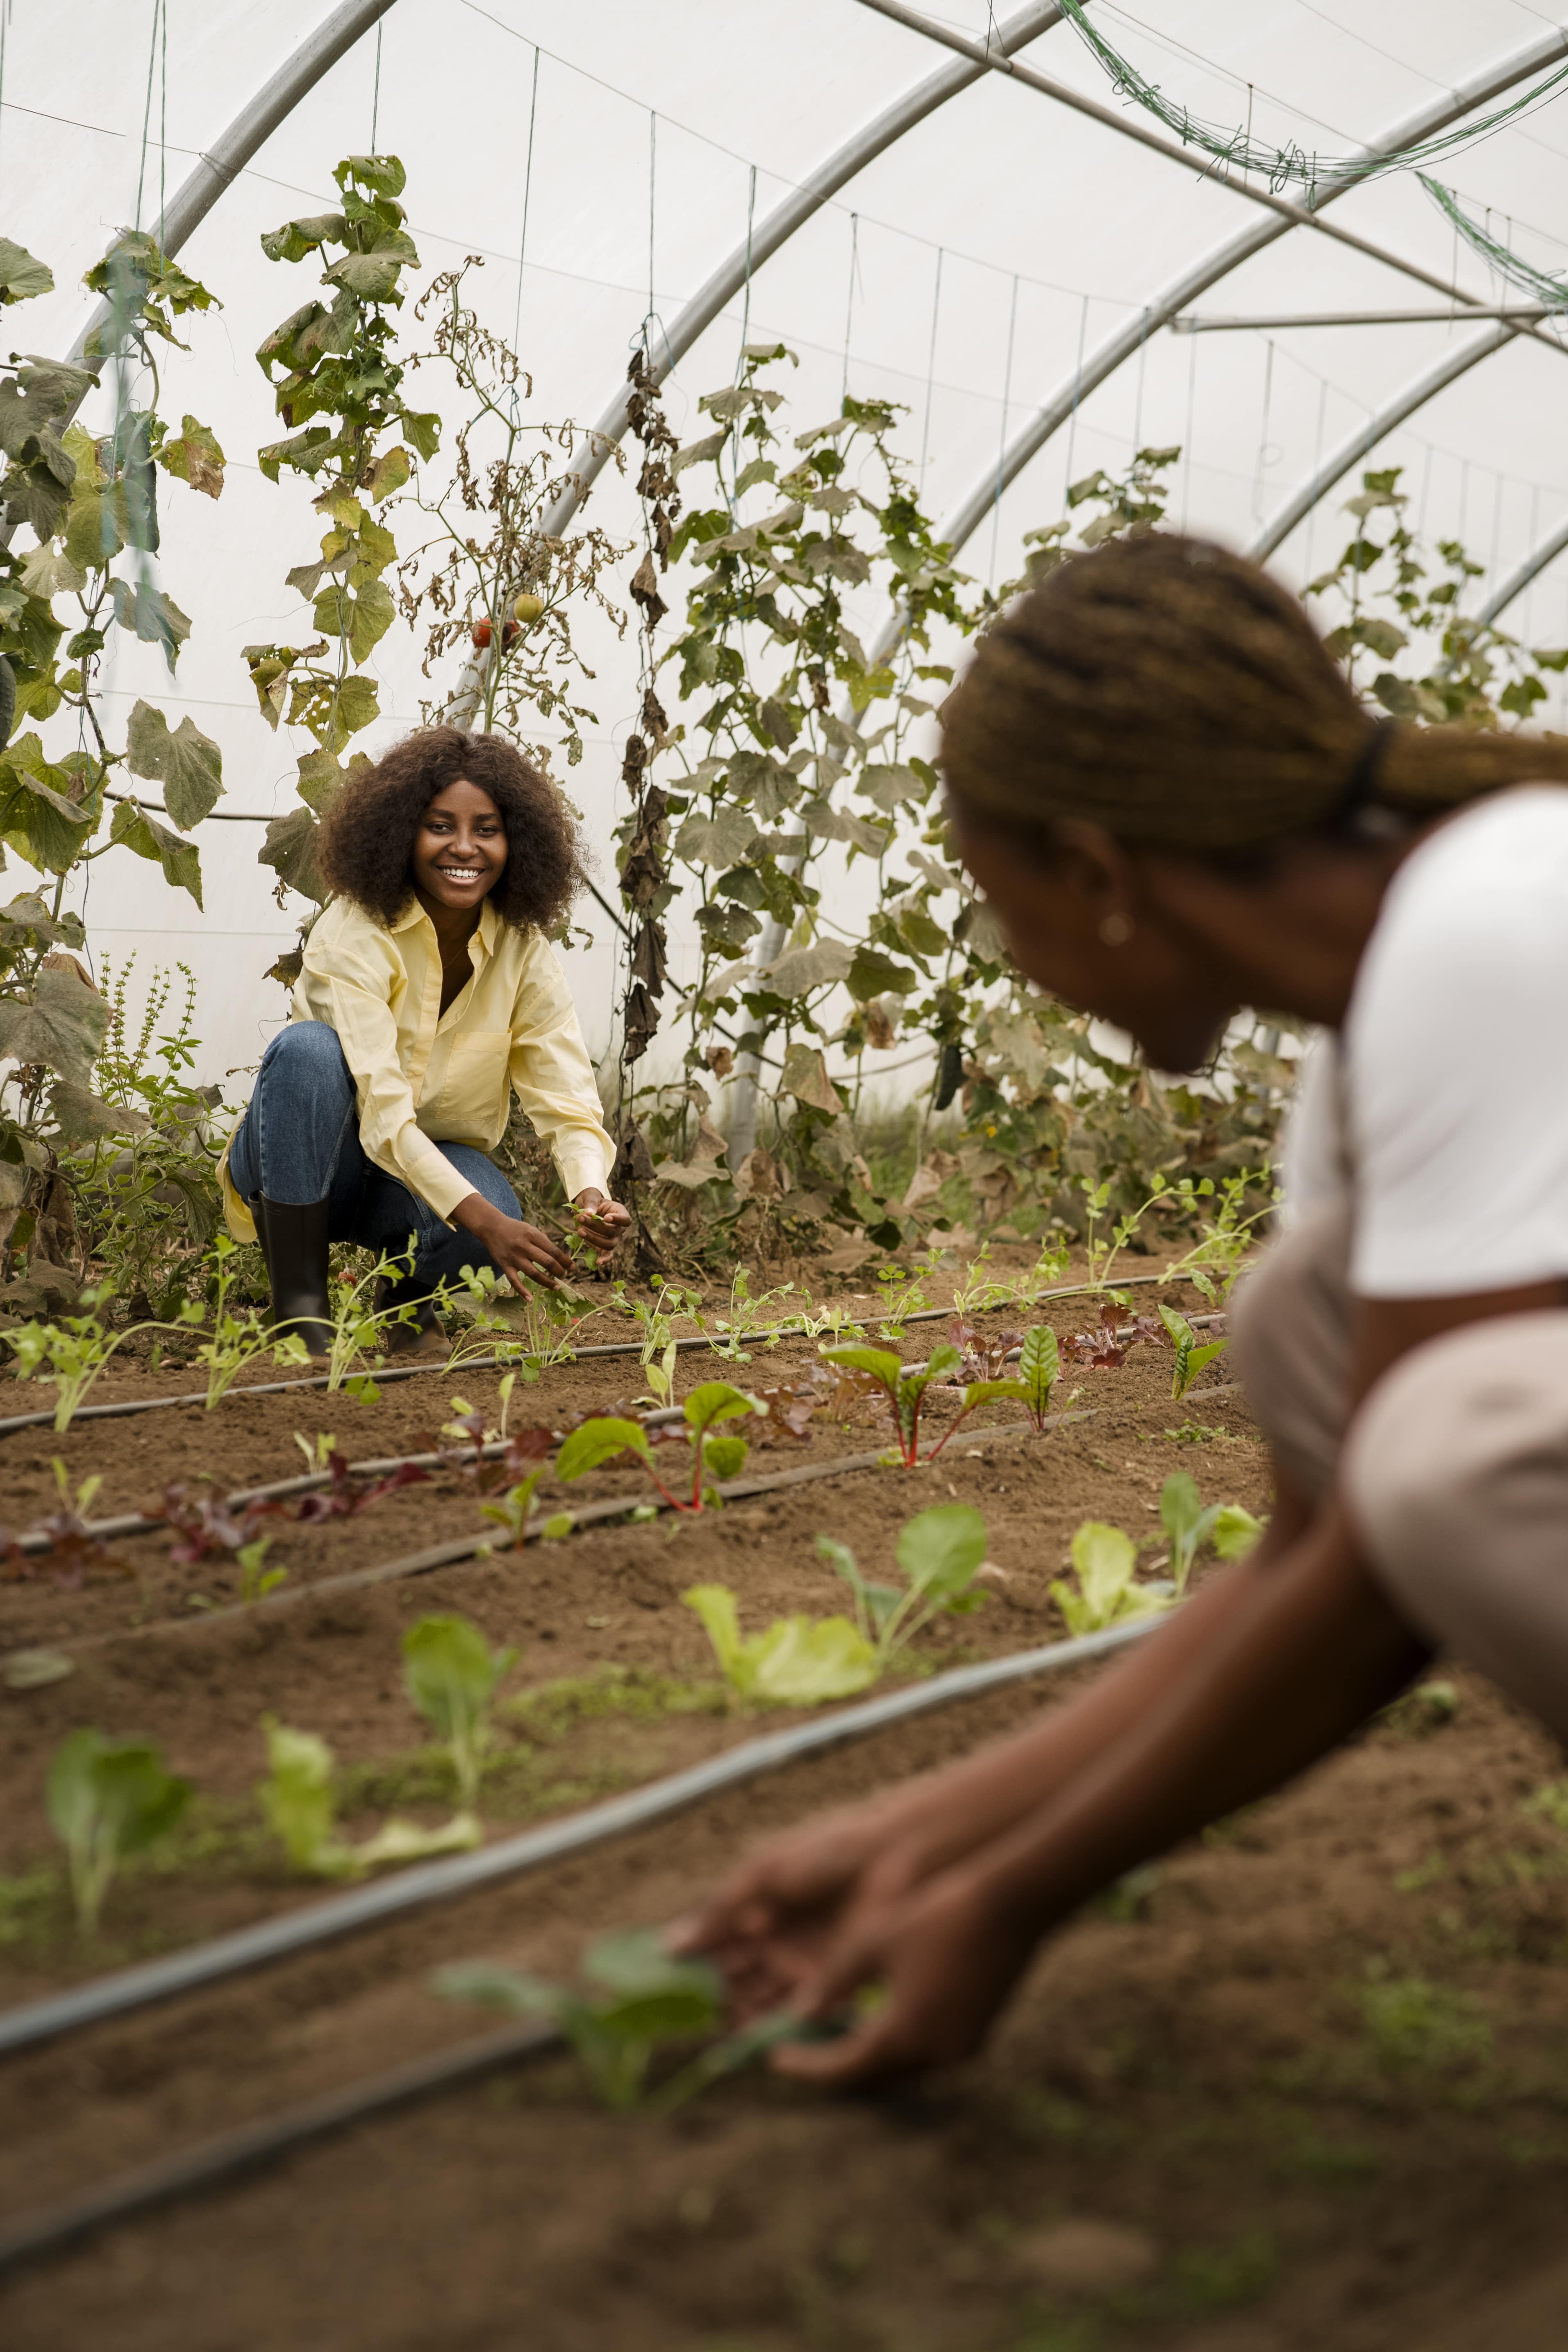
x=366, y=843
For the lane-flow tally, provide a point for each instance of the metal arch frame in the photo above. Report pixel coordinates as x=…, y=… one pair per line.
x=884, y=130
x=1178, y=293
x=1356, y=445
x=220, y=164
x=1546, y=551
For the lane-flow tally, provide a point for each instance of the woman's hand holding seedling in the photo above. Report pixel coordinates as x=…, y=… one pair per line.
x=523, y=1253
x=601, y=1223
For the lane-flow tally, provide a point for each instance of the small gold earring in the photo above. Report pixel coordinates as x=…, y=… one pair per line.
x=1116, y=930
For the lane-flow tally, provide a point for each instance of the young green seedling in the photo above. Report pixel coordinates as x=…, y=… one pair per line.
x=300, y=1803
x=1188, y=1526
x=1039, y=1369
x=647, y=1998
x=70, y=1354
x=1103, y=1560
x=877, y=1371
x=233, y=1343
x=451, y=1675
x=795, y=1663
x=713, y=1459
x=1191, y=1358
x=941, y=1552
x=744, y=1320
x=108, y=1799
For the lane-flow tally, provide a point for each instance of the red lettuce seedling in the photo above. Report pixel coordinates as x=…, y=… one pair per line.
x=712, y=1458
x=204, y=1526
x=73, y=1548
x=345, y=1499
x=1106, y=1351
x=878, y=1372
x=982, y=1358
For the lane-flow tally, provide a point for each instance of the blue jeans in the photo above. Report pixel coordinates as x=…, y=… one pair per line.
x=299, y=1142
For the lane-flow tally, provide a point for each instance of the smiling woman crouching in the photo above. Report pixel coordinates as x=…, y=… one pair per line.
x=428, y=995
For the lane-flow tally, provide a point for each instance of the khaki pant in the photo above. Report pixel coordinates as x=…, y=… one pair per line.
x=1454, y=1473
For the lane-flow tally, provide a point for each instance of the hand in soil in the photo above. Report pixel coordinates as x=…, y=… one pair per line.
x=523, y=1253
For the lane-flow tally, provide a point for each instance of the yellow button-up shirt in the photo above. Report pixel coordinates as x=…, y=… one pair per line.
x=424, y=1076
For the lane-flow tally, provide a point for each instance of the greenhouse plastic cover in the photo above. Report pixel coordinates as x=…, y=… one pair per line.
x=971, y=271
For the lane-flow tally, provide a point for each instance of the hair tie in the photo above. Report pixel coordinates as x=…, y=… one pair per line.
x=1362, y=787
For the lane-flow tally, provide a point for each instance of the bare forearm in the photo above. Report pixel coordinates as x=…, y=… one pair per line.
x=1291, y=1659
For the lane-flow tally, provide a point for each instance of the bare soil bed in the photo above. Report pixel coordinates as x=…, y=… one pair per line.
x=1313, y=2074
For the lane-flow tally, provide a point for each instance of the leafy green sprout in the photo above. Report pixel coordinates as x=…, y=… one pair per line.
x=70, y=1354
x=902, y=1295
x=1039, y=1369
x=233, y=1343
x=1104, y=1558
x=1188, y=1526
x=299, y=1799
x=878, y=1372
x=108, y=1799
x=941, y=1552
x=795, y=1662
x=644, y=1999
x=452, y=1674
x=256, y=1579
x=1192, y=1358
x=744, y=1320
x=713, y=1458
x=532, y=1330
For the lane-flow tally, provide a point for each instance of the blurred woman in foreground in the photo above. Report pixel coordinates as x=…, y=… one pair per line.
x=1177, y=807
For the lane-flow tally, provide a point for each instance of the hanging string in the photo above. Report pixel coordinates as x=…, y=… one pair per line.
x=1497, y=529
x=1002, y=437
x=1192, y=410
x=1138, y=398
x=147, y=109
x=652, y=194
x=1540, y=285
x=527, y=190
x=1317, y=469
x=1262, y=465
x=375, y=94
x=930, y=368
x=746, y=300
x=4, y=20
x=849, y=306
x=1076, y=388
x=163, y=121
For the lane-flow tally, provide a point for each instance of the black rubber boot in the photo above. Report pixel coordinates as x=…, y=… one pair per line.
x=423, y=1334
x=293, y=1237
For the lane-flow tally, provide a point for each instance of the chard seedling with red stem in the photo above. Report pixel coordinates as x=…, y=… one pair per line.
x=878, y=1372
x=713, y=1459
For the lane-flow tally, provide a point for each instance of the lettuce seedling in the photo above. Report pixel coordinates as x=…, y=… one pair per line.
x=877, y=1371
x=795, y=1663
x=300, y=1804
x=1191, y=1358
x=451, y=1674
x=1103, y=1560
x=713, y=1459
x=941, y=1552
x=1235, y=1531
x=646, y=1998
x=1188, y=1526
x=108, y=1799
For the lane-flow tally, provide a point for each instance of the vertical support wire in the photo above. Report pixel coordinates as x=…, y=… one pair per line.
x=1002, y=439
x=746, y=298
x=375, y=92
x=849, y=306
x=147, y=109
x=162, y=120
x=527, y=191
x=1192, y=412
x=930, y=371
x=4, y=21
x=1317, y=468
x=1496, y=531
x=1261, y=467
x=652, y=201
x=1138, y=396
x=1076, y=388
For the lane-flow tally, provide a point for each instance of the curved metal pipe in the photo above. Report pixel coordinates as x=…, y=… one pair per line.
x=1546, y=551
x=1176, y=296
x=220, y=164
x=1350, y=451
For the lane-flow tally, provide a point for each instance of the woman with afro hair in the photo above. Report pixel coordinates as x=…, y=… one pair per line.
x=428, y=995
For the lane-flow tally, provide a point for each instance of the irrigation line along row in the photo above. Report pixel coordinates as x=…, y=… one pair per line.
x=192, y=2170
x=491, y=1363
x=144, y=1523
x=30, y=2023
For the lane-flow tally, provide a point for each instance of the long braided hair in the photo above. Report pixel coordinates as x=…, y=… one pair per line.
x=1181, y=697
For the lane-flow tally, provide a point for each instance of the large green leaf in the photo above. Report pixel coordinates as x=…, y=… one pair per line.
x=81, y=1116
x=798, y=1663
x=296, y=238
x=364, y=619
x=151, y=615
x=140, y=833
x=289, y=847
x=599, y=1440
x=187, y=763
x=939, y=1551
x=716, y=1401
x=21, y=276
x=37, y=820
x=62, y=1024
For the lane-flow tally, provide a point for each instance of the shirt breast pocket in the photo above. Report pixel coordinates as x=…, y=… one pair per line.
x=473, y=1095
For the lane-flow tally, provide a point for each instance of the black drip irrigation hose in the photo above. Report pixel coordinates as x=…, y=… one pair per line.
x=382, y=1374
x=29, y=2023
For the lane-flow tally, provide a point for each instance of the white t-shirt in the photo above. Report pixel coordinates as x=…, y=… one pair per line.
x=1443, y=1106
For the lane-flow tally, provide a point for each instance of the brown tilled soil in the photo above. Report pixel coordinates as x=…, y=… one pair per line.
x=1306, y=2087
